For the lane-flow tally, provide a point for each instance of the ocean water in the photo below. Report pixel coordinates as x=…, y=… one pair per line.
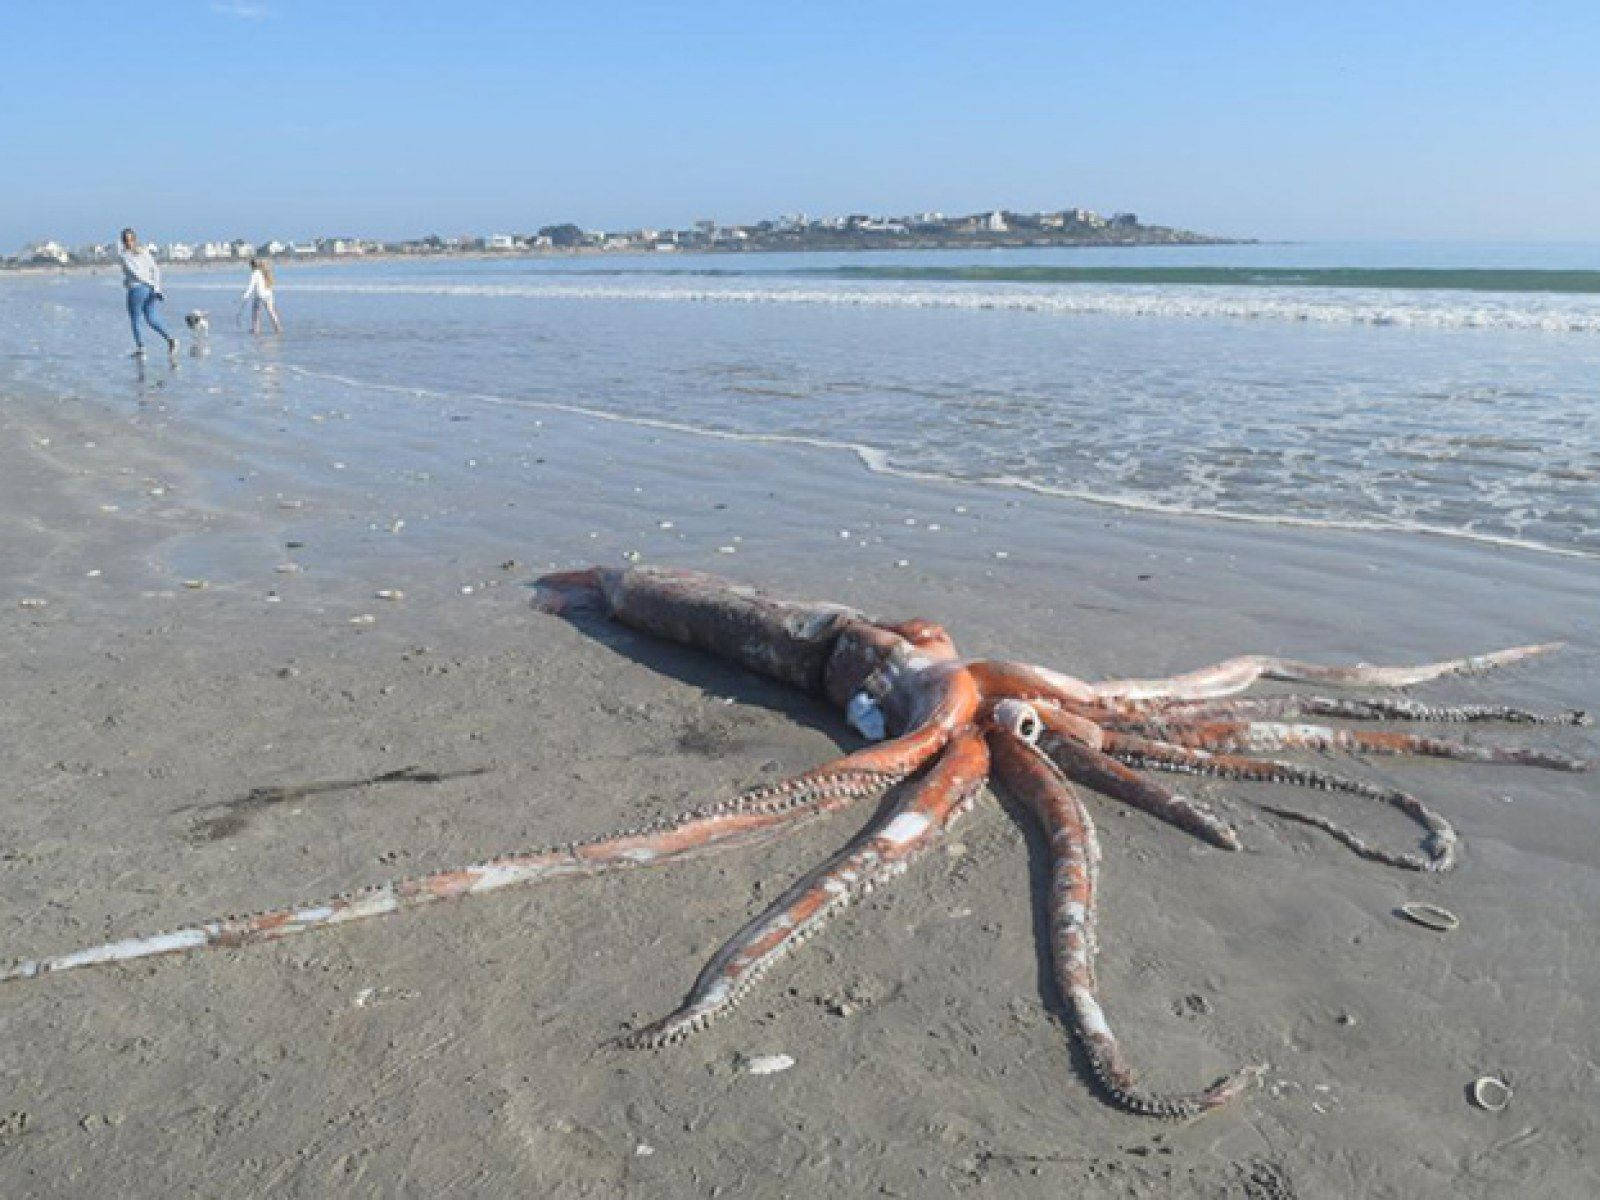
x=1445, y=391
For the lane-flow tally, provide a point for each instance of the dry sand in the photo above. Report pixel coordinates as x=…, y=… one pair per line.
x=455, y=1051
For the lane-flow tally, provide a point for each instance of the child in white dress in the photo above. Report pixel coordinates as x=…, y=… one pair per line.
x=260, y=294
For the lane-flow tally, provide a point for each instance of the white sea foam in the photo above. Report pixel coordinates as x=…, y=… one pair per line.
x=1540, y=312
x=878, y=461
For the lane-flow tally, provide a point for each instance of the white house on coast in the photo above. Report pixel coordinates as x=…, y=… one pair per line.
x=47, y=252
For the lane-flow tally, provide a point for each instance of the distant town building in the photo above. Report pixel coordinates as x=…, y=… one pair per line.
x=996, y=222
x=45, y=253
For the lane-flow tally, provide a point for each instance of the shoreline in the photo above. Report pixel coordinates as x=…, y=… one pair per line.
x=153, y=709
x=36, y=270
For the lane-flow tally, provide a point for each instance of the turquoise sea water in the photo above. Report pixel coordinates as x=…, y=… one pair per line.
x=1449, y=391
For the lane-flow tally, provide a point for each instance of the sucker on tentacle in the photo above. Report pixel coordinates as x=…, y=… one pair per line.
x=1440, y=843
x=939, y=727
x=1256, y=737
x=1371, y=708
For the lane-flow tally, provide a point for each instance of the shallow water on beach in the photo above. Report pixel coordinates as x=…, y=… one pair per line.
x=1456, y=410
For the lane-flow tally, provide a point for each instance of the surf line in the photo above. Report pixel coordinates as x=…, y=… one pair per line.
x=1373, y=308
x=877, y=462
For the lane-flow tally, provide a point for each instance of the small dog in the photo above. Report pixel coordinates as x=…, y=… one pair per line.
x=197, y=323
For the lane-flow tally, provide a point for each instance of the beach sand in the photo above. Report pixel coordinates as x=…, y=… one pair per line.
x=457, y=1050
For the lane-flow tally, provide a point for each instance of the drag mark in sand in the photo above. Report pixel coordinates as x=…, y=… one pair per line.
x=955, y=725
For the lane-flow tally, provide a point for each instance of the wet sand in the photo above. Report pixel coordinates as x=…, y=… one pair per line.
x=456, y=1050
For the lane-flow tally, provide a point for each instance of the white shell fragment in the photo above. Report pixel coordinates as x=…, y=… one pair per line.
x=1431, y=916
x=389, y=594
x=768, y=1064
x=363, y=619
x=1491, y=1094
x=32, y=602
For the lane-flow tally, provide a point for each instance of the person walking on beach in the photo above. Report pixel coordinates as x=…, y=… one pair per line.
x=142, y=277
x=260, y=294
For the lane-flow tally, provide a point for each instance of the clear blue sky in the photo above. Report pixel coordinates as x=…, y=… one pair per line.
x=265, y=118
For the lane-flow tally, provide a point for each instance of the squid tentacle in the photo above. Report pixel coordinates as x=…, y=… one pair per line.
x=1092, y=767
x=1027, y=723
x=1371, y=708
x=1439, y=845
x=742, y=820
x=1074, y=849
x=1236, y=674
x=1258, y=736
x=879, y=853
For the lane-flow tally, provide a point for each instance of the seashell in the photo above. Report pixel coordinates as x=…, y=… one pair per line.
x=1430, y=916
x=196, y=585
x=389, y=594
x=288, y=568
x=33, y=603
x=363, y=619
x=1491, y=1094
x=768, y=1064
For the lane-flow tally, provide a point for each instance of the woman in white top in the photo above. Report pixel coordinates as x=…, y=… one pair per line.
x=260, y=294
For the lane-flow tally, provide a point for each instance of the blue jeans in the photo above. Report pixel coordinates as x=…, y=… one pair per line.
x=142, y=300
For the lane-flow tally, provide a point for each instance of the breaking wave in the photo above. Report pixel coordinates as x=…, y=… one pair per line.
x=879, y=462
x=1442, y=309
